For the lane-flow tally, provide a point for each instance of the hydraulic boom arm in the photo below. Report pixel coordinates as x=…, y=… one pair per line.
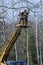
x=8, y=45
x=11, y=40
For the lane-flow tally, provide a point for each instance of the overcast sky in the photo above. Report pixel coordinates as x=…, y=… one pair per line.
x=9, y=12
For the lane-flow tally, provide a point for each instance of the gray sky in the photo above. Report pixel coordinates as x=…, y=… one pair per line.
x=34, y=7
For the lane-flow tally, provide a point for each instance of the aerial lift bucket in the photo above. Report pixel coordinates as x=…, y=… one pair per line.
x=23, y=24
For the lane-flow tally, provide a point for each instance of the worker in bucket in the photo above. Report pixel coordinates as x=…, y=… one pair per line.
x=21, y=16
x=26, y=16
